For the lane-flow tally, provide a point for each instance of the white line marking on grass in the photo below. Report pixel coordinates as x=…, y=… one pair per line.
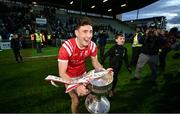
x=42, y=56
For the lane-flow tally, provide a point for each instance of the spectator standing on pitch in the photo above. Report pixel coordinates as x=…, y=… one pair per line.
x=170, y=40
x=149, y=53
x=103, y=36
x=136, y=46
x=16, y=46
x=117, y=54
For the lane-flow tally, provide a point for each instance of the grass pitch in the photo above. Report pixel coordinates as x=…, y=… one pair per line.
x=24, y=90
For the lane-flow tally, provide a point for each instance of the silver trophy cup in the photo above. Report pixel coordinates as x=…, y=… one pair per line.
x=96, y=102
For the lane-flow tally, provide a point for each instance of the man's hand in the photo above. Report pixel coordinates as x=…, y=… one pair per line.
x=82, y=90
x=109, y=69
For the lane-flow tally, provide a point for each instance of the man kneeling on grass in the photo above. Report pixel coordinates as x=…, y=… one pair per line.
x=72, y=56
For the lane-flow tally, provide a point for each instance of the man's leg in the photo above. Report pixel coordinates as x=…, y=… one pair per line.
x=162, y=60
x=153, y=64
x=19, y=55
x=140, y=64
x=16, y=55
x=74, y=101
x=132, y=57
x=115, y=80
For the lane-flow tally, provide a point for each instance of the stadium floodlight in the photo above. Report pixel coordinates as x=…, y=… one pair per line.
x=71, y=2
x=93, y=6
x=109, y=10
x=105, y=0
x=123, y=5
x=34, y=3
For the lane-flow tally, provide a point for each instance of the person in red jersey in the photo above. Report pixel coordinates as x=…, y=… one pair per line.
x=72, y=56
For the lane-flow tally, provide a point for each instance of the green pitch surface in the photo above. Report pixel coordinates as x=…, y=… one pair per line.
x=24, y=90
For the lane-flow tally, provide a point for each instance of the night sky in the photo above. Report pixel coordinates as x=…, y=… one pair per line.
x=168, y=8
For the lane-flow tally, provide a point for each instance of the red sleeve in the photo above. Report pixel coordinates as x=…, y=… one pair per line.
x=63, y=54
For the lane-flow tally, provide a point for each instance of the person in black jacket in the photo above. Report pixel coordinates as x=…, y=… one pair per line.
x=170, y=39
x=103, y=36
x=149, y=53
x=116, y=55
x=136, y=46
x=15, y=45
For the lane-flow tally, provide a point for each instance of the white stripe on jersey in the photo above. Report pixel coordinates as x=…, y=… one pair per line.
x=69, y=45
x=63, y=61
x=67, y=49
x=93, y=47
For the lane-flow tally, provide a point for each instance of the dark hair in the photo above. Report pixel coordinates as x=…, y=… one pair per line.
x=85, y=21
x=173, y=30
x=119, y=35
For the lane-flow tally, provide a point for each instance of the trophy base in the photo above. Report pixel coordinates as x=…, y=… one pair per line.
x=97, y=104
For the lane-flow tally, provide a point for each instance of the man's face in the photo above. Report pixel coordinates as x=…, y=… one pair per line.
x=84, y=35
x=137, y=30
x=120, y=40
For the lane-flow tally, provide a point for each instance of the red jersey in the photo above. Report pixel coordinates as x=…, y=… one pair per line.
x=71, y=53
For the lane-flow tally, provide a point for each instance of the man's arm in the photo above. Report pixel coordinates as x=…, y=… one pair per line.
x=62, y=67
x=96, y=63
x=81, y=89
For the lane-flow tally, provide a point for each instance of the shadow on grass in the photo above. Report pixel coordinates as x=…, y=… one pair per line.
x=44, y=99
x=146, y=97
